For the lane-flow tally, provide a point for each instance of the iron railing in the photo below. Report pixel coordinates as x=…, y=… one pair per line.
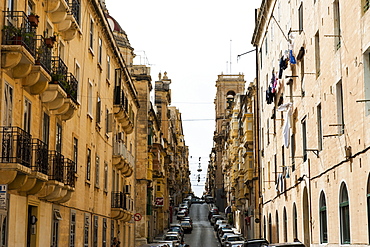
x=119, y=200
x=43, y=53
x=75, y=7
x=15, y=146
x=40, y=156
x=18, y=30
x=56, y=166
x=120, y=99
x=69, y=172
x=72, y=87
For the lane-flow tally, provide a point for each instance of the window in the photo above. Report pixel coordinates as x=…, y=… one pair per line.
x=98, y=110
x=295, y=222
x=97, y=168
x=8, y=105
x=105, y=176
x=58, y=138
x=27, y=116
x=108, y=67
x=10, y=5
x=285, y=226
x=30, y=7
x=96, y=228
x=75, y=152
x=100, y=50
x=89, y=98
x=88, y=164
x=55, y=228
x=45, y=128
x=86, y=230
x=61, y=50
x=340, y=112
x=304, y=139
x=91, y=38
x=337, y=31
x=317, y=54
x=302, y=78
x=345, y=234
x=319, y=128
x=292, y=151
x=77, y=76
x=108, y=121
x=270, y=229
x=277, y=227
x=323, y=219
x=300, y=18
x=72, y=229
x=366, y=60
x=104, y=233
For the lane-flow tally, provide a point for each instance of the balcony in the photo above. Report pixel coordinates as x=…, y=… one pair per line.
x=66, y=15
x=122, y=159
x=122, y=111
x=61, y=94
x=61, y=181
x=20, y=50
x=121, y=206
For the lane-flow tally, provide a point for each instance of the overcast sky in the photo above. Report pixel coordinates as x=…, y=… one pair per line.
x=194, y=41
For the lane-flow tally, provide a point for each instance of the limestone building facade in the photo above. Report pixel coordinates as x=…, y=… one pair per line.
x=313, y=77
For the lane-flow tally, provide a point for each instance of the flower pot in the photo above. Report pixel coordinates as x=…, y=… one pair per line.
x=49, y=42
x=34, y=20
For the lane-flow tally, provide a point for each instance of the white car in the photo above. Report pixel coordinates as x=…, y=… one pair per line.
x=175, y=238
x=233, y=241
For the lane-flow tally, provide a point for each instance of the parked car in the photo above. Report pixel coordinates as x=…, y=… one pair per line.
x=223, y=237
x=222, y=231
x=260, y=242
x=187, y=218
x=292, y=244
x=233, y=241
x=212, y=212
x=175, y=238
x=177, y=229
x=216, y=217
x=187, y=226
x=180, y=215
x=218, y=223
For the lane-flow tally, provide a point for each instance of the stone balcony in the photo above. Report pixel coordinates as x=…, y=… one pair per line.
x=66, y=15
x=122, y=111
x=121, y=206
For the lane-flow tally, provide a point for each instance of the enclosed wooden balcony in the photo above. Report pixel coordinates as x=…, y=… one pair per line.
x=123, y=160
x=121, y=208
x=65, y=14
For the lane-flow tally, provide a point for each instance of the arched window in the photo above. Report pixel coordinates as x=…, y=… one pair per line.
x=270, y=229
x=323, y=219
x=368, y=208
x=277, y=227
x=345, y=233
x=295, y=222
x=285, y=225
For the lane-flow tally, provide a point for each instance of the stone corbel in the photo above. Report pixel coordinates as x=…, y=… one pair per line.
x=22, y=70
x=10, y=59
x=52, y=5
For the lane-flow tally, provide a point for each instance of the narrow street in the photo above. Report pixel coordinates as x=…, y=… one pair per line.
x=203, y=233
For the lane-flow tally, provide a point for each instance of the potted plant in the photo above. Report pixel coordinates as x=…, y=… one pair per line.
x=39, y=52
x=13, y=34
x=49, y=42
x=33, y=19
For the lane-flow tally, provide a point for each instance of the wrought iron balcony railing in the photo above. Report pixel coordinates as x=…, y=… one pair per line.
x=56, y=166
x=69, y=172
x=75, y=7
x=43, y=53
x=120, y=99
x=40, y=156
x=18, y=30
x=15, y=146
x=119, y=200
x=72, y=87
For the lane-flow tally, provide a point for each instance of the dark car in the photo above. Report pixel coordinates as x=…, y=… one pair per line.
x=260, y=242
x=187, y=226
